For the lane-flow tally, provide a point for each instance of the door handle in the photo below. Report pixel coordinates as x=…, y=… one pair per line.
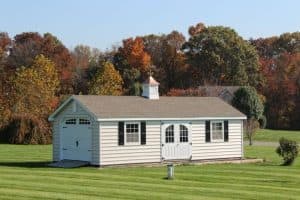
x=64, y=149
x=89, y=150
x=162, y=145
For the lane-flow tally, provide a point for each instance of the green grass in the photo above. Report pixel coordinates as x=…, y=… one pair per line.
x=275, y=135
x=23, y=175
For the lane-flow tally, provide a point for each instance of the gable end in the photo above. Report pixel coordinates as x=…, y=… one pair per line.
x=75, y=106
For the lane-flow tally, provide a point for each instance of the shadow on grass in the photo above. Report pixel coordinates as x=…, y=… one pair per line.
x=30, y=164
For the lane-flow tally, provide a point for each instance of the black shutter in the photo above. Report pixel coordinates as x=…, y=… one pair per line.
x=121, y=133
x=226, y=131
x=207, y=131
x=143, y=132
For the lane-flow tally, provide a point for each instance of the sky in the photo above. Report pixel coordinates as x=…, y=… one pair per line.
x=102, y=24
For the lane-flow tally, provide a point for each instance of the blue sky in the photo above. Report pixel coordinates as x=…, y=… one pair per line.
x=104, y=23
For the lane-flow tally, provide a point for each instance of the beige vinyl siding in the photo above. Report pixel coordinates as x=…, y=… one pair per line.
x=68, y=111
x=215, y=150
x=111, y=153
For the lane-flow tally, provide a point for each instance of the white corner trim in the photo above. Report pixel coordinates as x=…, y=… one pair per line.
x=168, y=119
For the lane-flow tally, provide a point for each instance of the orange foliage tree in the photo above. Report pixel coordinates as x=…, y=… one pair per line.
x=134, y=52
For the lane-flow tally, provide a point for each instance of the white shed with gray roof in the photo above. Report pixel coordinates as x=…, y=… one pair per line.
x=114, y=130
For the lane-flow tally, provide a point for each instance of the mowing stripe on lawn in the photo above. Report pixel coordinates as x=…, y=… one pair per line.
x=190, y=177
x=145, y=176
x=123, y=191
x=137, y=185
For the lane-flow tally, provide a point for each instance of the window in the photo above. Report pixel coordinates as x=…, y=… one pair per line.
x=184, y=134
x=170, y=134
x=217, y=131
x=71, y=121
x=132, y=133
x=84, y=121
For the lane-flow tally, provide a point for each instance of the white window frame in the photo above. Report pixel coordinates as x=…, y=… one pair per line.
x=125, y=134
x=174, y=136
x=188, y=133
x=211, y=131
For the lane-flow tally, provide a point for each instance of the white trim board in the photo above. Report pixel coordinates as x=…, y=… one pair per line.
x=169, y=119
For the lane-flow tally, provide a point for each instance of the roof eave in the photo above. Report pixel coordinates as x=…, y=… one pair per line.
x=170, y=119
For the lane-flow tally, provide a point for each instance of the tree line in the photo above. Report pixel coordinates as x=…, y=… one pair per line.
x=37, y=72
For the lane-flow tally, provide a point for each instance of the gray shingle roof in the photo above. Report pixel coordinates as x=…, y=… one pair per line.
x=166, y=107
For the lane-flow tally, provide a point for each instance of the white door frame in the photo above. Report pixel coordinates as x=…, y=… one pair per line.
x=180, y=150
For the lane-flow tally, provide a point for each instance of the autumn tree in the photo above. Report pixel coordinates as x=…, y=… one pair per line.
x=133, y=63
x=87, y=61
x=217, y=55
x=82, y=56
x=107, y=81
x=33, y=98
x=282, y=74
x=134, y=52
x=5, y=43
x=5, y=111
x=279, y=64
x=194, y=30
x=170, y=68
x=26, y=46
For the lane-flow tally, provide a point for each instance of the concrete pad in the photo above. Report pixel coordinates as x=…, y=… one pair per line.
x=69, y=164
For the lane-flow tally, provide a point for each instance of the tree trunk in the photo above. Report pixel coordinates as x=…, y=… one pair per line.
x=250, y=140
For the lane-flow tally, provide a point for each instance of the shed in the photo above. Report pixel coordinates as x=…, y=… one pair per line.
x=114, y=130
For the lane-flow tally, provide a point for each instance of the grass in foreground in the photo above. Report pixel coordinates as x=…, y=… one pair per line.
x=23, y=175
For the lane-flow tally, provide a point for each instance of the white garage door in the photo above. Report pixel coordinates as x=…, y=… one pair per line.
x=76, y=139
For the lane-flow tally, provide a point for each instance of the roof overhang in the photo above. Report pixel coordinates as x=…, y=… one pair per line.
x=171, y=119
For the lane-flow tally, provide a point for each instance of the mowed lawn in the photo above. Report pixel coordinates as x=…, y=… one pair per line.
x=23, y=175
x=275, y=135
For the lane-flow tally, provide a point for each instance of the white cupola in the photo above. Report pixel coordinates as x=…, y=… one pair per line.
x=150, y=88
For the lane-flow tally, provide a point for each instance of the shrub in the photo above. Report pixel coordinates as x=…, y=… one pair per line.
x=288, y=150
x=262, y=122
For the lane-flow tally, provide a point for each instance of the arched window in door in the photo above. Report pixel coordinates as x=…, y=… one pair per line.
x=184, y=134
x=170, y=134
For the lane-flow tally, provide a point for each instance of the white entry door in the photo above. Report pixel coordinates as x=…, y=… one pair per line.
x=76, y=139
x=176, y=141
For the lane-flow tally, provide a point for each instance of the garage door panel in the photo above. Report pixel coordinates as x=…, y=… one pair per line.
x=76, y=140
